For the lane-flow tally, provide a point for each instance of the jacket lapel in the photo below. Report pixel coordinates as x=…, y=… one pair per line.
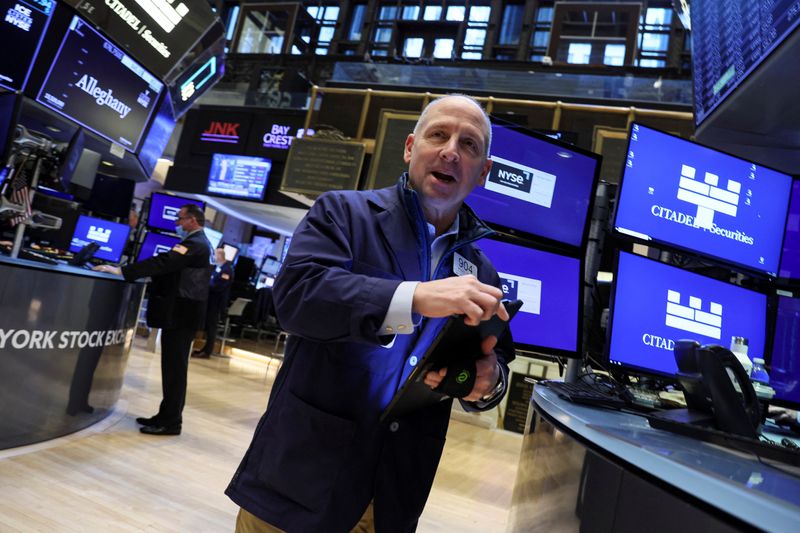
x=398, y=235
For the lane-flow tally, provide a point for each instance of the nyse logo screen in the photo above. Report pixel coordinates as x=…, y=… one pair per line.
x=522, y=182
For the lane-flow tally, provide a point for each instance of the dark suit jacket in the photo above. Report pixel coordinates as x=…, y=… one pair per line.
x=320, y=454
x=179, y=287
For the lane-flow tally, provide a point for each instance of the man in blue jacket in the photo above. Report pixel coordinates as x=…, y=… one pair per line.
x=369, y=278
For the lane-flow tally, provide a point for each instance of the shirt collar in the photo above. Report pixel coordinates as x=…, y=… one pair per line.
x=452, y=230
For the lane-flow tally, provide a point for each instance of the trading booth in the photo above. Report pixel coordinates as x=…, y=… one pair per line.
x=90, y=91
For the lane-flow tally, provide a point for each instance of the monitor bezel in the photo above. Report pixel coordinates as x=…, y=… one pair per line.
x=532, y=237
x=117, y=258
x=626, y=368
x=537, y=351
x=658, y=243
x=259, y=199
x=162, y=193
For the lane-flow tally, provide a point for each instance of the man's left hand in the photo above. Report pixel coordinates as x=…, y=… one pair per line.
x=108, y=269
x=486, y=375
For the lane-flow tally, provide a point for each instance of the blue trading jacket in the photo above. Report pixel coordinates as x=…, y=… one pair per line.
x=320, y=454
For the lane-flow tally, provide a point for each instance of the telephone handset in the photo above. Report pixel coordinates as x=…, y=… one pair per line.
x=714, y=380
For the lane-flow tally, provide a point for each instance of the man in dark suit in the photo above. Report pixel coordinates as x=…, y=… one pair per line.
x=176, y=303
x=369, y=279
x=218, y=292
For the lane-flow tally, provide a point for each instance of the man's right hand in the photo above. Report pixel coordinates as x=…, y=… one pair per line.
x=460, y=295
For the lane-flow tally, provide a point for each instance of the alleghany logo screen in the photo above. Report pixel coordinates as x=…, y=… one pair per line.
x=678, y=192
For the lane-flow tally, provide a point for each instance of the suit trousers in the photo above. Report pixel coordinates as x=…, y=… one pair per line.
x=213, y=308
x=175, y=347
x=249, y=523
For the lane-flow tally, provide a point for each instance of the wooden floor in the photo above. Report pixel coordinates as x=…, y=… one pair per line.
x=111, y=478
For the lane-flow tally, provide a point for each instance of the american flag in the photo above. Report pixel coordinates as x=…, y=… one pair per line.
x=20, y=193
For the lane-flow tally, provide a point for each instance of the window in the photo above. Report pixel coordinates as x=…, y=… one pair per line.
x=654, y=37
x=540, y=38
x=456, y=13
x=614, y=55
x=410, y=12
x=477, y=24
x=326, y=17
x=412, y=47
x=511, y=26
x=443, y=48
x=357, y=22
x=594, y=33
x=579, y=53
x=432, y=13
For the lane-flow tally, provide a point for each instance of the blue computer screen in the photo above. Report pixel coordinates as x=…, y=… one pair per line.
x=22, y=27
x=536, y=186
x=785, y=362
x=790, y=259
x=549, y=286
x=683, y=194
x=164, y=209
x=156, y=243
x=656, y=304
x=111, y=236
x=238, y=176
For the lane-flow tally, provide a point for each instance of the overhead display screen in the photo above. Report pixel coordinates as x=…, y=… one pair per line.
x=790, y=260
x=97, y=85
x=238, y=176
x=21, y=30
x=536, y=186
x=678, y=305
x=729, y=40
x=692, y=197
x=156, y=32
x=549, y=286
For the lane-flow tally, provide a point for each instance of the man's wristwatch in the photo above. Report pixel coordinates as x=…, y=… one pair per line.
x=497, y=390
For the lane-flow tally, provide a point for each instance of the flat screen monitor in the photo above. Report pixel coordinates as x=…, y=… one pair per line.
x=111, y=196
x=550, y=287
x=264, y=281
x=156, y=243
x=157, y=138
x=214, y=237
x=238, y=176
x=10, y=107
x=231, y=252
x=654, y=304
x=287, y=242
x=164, y=209
x=22, y=28
x=537, y=186
x=785, y=361
x=62, y=208
x=694, y=198
x=790, y=258
x=100, y=87
x=71, y=157
x=111, y=236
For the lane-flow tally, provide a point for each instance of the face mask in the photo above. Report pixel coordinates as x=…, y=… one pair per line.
x=182, y=233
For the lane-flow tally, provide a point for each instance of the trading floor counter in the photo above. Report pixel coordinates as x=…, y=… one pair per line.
x=65, y=335
x=588, y=469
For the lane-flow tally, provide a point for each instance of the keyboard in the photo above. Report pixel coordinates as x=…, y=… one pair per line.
x=586, y=393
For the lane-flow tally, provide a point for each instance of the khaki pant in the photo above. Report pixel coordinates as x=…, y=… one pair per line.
x=249, y=523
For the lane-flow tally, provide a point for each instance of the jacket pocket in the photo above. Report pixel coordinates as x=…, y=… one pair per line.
x=304, y=451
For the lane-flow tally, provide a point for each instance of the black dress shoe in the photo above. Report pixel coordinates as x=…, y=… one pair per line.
x=201, y=355
x=161, y=430
x=152, y=421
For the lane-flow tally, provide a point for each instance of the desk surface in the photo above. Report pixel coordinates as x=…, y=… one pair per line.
x=737, y=484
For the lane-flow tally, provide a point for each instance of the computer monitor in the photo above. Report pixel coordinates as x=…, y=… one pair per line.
x=231, y=252
x=71, y=157
x=111, y=196
x=785, y=360
x=163, y=213
x=238, y=176
x=62, y=208
x=111, y=236
x=537, y=186
x=22, y=28
x=549, y=284
x=96, y=84
x=694, y=198
x=156, y=243
x=264, y=281
x=655, y=304
x=790, y=258
x=214, y=237
x=285, y=250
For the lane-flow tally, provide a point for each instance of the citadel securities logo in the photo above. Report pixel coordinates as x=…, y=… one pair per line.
x=692, y=318
x=170, y=212
x=161, y=249
x=528, y=290
x=708, y=196
x=221, y=132
x=161, y=11
x=96, y=233
x=516, y=180
x=102, y=97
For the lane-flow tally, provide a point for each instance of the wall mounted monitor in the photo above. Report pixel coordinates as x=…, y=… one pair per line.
x=156, y=243
x=550, y=287
x=537, y=186
x=238, y=176
x=785, y=361
x=157, y=138
x=111, y=236
x=214, y=237
x=97, y=85
x=694, y=198
x=790, y=258
x=654, y=304
x=163, y=213
x=111, y=196
x=22, y=28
